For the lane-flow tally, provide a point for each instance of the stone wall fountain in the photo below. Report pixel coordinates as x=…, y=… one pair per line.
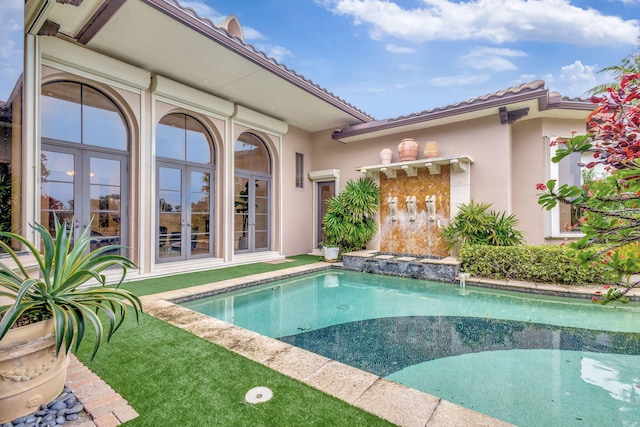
x=421, y=197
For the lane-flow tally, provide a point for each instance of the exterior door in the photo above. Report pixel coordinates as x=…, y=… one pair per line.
x=184, y=212
x=87, y=188
x=251, y=231
x=326, y=190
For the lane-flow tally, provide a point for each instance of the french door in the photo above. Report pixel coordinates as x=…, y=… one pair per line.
x=326, y=190
x=86, y=188
x=184, y=212
x=251, y=213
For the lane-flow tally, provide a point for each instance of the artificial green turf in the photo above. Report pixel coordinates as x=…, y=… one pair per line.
x=173, y=378
x=180, y=281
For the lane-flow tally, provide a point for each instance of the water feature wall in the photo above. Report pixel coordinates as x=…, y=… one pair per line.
x=412, y=230
x=418, y=198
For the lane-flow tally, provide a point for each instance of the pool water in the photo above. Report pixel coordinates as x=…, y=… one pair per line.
x=530, y=360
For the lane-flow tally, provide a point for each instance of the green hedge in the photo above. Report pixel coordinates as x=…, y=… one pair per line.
x=548, y=263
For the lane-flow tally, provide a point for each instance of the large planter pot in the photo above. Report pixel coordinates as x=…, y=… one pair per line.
x=331, y=253
x=385, y=156
x=30, y=372
x=408, y=149
x=430, y=149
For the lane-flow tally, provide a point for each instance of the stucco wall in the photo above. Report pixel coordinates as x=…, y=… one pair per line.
x=508, y=161
x=297, y=203
x=485, y=140
x=528, y=160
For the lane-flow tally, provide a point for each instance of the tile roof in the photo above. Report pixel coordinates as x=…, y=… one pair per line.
x=524, y=92
x=535, y=85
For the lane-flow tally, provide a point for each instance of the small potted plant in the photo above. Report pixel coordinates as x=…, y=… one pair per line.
x=349, y=222
x=330, y=251
x=50, y=310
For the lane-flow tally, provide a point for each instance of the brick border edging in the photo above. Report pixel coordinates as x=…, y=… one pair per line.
x=105, y=407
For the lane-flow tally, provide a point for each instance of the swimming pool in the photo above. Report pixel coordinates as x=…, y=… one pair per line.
x=526, y=359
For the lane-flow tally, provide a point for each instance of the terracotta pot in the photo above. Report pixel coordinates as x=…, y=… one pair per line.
x=430, y=149
x=385, y=156
x=30, y=372
x=408, y=149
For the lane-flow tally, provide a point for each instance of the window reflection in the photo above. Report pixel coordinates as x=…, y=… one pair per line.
x=73, y=112
x=250, y=154
x=61, y=111
x=181, y=137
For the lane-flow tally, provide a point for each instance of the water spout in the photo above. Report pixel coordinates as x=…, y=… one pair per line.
x=393, y=207
x=463, y=279
x=431, y=208
x=411, y=207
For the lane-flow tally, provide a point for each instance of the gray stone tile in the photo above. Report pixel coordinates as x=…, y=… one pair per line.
x=342, y=381
x=296, y=363
x=398, y=404
x=260, y=348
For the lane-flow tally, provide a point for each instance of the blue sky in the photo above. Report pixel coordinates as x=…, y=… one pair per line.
x=396, y=57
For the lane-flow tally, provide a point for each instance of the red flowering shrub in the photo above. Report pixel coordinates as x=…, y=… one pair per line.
x=610, y=207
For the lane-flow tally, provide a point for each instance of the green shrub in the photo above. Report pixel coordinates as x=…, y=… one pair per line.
x=547, y=263
x=475, y=226
x=349, y=222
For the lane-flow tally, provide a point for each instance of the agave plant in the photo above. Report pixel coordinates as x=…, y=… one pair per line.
x=57, y=293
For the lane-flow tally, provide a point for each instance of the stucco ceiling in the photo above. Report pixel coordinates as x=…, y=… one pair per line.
x=158, y=42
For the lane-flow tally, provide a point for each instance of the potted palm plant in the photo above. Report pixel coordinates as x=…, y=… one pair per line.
x=45, y=317
x=349, y=222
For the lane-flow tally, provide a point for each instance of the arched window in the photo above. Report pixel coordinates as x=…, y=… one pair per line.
x=84, y=161
x=252, y=183
x=77, y=113
x=185, y=159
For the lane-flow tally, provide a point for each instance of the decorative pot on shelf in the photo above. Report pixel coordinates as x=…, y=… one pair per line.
x=408, y=149
x=430, y=149
x=385, y=156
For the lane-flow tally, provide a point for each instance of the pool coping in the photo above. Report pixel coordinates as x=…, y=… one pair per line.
x=393, y=402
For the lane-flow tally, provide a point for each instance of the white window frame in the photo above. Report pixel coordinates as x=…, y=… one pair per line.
x=553, y=227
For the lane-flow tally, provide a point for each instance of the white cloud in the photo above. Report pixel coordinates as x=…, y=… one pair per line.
x=491, y=20
x=276, y=52
x=577, y=78
x=252, y=34
x=203, y=10
x=399, y=49
x=572, y=80
x=491, y=58
x=462, y=80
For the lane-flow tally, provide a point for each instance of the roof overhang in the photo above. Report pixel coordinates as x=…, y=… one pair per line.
x=163, y=38
x=525, y=102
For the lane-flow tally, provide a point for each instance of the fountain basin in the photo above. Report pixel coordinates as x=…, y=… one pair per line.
x=403, y=265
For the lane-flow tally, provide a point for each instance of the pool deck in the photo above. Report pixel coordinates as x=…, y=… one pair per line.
x=396, y=403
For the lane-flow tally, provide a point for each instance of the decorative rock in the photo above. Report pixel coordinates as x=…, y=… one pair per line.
x=77, y=408
x=57, y=405
x=51, y=414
